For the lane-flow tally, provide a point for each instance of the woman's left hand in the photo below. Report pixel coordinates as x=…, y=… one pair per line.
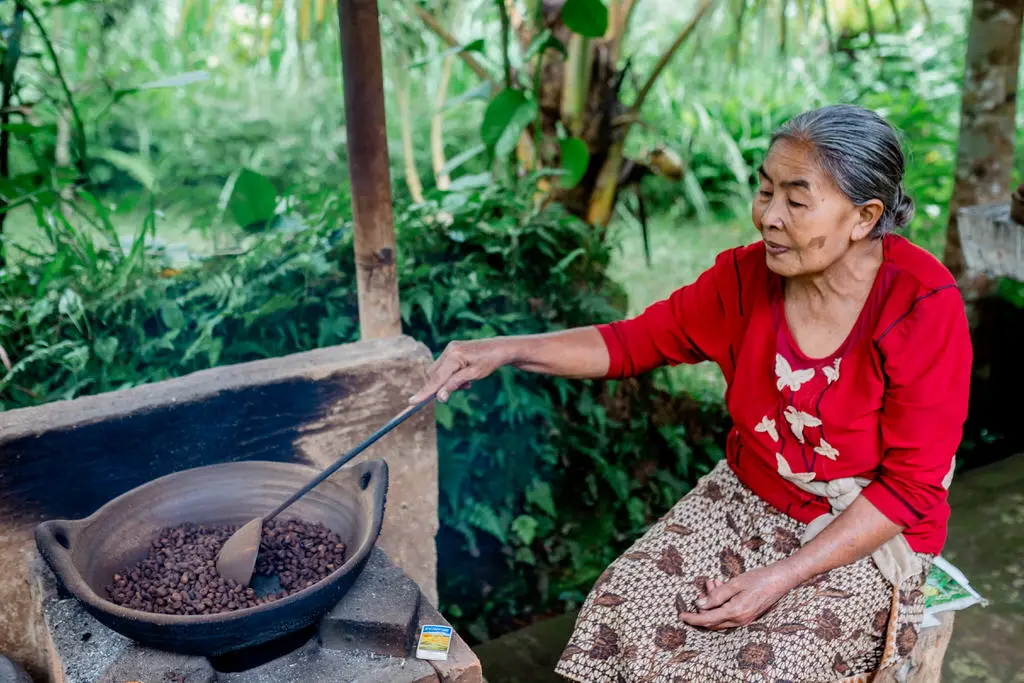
x=739, y=601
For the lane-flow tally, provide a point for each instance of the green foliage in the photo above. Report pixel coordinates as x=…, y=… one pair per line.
x=253, y=199
x=86, y=319
x=507, y=116
x=720, y=118
x=575, y=159
x=589, y=18
x=528, y=522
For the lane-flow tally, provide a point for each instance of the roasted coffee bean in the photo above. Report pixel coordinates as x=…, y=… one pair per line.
x=179, y=574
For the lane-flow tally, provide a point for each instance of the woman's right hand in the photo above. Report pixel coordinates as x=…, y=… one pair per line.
x=461, y=363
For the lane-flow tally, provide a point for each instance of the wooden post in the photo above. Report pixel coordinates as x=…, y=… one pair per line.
x=368, y=169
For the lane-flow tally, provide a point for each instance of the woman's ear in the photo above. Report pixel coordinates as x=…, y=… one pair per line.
x=868, y=215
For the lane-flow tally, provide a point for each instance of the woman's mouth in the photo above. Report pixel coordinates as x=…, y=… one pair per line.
x=775, y=249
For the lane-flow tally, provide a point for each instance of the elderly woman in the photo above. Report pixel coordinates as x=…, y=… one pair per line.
x=847, y=357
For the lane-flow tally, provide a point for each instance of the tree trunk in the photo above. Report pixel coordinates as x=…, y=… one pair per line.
x=983, y=175
x=987, y=124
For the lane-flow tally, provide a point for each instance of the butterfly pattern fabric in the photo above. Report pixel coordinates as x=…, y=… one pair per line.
x=788, y=377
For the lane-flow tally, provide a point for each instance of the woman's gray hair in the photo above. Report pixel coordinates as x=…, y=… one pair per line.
x=862, y=154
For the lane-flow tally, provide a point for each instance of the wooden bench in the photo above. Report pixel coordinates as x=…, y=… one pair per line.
x=924, y=665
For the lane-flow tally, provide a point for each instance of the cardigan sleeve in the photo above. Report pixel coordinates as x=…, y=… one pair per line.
x=695, y=323
x=926, y=359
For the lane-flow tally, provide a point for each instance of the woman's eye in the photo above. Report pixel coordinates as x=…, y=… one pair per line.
x=795, y=205
x=765, y=193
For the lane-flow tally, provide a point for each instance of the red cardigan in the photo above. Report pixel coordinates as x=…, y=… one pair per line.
x=888, y=405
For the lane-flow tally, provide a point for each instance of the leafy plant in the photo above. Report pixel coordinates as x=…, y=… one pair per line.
x=83, y=318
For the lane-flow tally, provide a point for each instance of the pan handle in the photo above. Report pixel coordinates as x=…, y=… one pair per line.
x=55, y=539
x=373, y=481
x=336, y=465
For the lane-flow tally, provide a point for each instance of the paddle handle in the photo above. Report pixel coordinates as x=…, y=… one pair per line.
x=372, y=439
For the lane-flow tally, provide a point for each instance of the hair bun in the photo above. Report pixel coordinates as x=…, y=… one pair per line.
x=902, y=210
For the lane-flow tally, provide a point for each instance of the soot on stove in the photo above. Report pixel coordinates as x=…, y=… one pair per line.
x=179, y=574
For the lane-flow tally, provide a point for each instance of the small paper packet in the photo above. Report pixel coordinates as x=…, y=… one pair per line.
x=434, y=642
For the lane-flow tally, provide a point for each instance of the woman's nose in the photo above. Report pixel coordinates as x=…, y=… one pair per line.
x=772, y=218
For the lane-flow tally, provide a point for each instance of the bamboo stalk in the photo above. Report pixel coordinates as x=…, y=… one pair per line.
x=927, y=12
x=506, y=38
x=896, y=15
x=602, y=201
x=526, y=152
x=412, y=178
x=738, y=42
x=83, y=156
x=212, y=16
x=613, y=19
x=442, y=180
x=663, y=61
x=268, y=32
x=612, y=36
x=305, y=21
x=321, y=11
x=62, y=157
x=576, y=82
x=435, y=27
x=186, y=10
x=626, y=14
x=871, y=20
x=10, y=66
x=523, y=33
x=783, y=21
x=828, y=25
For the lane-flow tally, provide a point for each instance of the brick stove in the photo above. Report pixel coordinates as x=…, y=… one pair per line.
x=369, y=637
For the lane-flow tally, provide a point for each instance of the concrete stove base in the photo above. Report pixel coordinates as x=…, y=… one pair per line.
x=368, y=637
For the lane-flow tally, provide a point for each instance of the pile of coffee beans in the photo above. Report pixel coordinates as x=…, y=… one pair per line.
x=179, y=574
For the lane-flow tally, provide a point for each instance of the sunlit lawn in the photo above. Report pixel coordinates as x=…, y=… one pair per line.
x=680, y=251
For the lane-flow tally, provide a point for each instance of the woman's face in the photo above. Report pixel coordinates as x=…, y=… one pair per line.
x=805, y=220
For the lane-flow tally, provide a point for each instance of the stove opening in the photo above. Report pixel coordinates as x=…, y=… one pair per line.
x=250, y=658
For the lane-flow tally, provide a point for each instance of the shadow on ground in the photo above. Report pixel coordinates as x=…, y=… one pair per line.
x=986, y=540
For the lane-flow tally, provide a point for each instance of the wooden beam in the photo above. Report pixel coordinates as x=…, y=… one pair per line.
x=369, y=169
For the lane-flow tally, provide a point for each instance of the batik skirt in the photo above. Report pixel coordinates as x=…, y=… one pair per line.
x=843, y=625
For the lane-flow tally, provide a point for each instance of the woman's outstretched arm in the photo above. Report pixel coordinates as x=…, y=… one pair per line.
x=578, y=353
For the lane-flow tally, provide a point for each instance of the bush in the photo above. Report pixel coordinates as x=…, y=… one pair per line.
x=543, y=481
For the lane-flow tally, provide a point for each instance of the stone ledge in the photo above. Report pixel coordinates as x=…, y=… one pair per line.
x=316, y=364
x=67, y=458
x=82, y=650
x=378, y=613
x=11, y=672
x=462, y=665
x=313, y=664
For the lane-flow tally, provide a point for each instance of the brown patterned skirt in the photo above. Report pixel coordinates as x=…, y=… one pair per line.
x=842, y=625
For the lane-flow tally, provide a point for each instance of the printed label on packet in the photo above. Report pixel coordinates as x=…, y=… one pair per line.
x=434, y=642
